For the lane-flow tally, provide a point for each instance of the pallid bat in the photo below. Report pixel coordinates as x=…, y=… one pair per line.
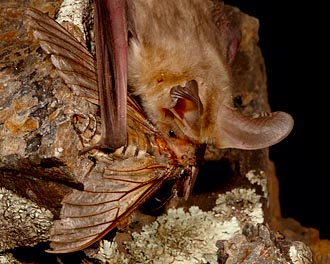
x=178, y=59
x=121, y=181
x=179, y=53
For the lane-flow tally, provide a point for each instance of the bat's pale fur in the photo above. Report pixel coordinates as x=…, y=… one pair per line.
x=174, y=42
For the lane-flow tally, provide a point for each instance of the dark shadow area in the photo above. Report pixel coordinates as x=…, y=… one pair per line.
x=214, y=177
x=37, y=254
x=292, y=39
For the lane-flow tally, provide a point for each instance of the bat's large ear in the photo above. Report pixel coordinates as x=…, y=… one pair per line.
x=235, y=130
x=228, y=22
x=234, y=39
x=187, y=108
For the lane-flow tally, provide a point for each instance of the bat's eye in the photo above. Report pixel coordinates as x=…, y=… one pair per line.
x=171, y=133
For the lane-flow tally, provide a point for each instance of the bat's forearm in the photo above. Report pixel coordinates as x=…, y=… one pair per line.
x=111, y=54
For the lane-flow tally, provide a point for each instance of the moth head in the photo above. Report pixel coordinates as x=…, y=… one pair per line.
x=183, y=147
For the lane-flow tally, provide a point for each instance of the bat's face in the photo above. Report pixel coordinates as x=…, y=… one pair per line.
x=177, y=68
x=178, y=65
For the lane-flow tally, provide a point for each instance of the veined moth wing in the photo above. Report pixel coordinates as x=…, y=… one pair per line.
x=78, y=68
x=120, y=182
x=73, y=61
x=112, y=192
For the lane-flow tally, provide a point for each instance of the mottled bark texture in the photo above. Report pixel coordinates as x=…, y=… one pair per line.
x=43, y=124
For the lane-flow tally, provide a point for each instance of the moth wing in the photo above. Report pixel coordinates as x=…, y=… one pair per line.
x=111, y=193
x=76, y=65
x=72, y=60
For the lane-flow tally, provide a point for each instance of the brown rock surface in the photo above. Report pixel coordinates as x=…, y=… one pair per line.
x=38, y=147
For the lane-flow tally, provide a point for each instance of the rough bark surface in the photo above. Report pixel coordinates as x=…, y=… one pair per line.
x=40, y=161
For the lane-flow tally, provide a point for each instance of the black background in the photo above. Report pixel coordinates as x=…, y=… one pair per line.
x=293, y=43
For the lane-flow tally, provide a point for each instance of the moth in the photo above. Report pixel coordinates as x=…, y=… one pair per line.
x=121, y=181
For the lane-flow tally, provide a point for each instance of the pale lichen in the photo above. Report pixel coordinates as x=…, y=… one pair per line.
x=109, y=253
x=236, y=223
x=22, y=222
x=259, y=178
x=242, y=203
x=181, y=237
x=300, y=253
x=73, y=11
x=175, y=237
x=190, y=237
x=8, y=258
